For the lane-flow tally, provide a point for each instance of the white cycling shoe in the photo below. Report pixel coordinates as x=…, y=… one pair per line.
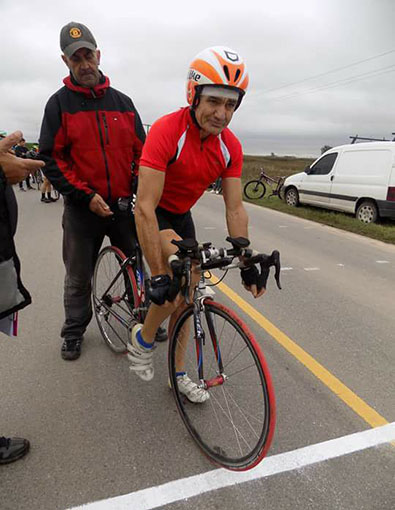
x=140, y=357
x=191, y=390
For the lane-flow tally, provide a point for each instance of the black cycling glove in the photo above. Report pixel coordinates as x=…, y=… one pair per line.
x=251, y=276
x=159, y=288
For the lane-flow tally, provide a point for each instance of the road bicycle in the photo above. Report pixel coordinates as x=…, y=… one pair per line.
x=119, y=294
x=256, y=188
x=235, y=426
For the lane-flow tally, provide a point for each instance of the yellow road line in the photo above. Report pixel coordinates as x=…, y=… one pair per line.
x=372, y=417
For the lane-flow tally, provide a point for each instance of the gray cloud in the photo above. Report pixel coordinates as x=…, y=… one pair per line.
x=146, y=49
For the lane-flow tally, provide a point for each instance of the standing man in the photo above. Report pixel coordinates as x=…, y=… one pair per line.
x=21, y=151
x=185, y=151
x=91, y=141
x=13, y=295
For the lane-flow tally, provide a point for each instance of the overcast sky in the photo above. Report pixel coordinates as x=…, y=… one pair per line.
x=147, y=46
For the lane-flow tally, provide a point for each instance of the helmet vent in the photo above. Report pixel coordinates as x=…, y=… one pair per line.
x=226, y=71
x=237, y=74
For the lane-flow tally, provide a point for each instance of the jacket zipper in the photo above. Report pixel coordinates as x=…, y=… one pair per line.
x=105, y=128
x=104, y=156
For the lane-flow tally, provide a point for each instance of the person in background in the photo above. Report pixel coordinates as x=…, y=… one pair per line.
x=13, y=295
x=91, y=140
x=21, y=152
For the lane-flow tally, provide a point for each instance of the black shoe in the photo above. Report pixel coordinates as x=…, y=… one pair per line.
x=51, y=199
x=161, y=335
x=30, y=187
x=46, y=200
x=71, y=349
x=12, y=449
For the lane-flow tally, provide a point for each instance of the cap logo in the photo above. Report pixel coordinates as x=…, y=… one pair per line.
x=75, y=33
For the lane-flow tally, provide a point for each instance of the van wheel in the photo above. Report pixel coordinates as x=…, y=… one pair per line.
x=367, y=212
x=292, y=197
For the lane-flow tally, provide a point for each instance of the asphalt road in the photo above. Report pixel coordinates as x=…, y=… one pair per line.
x=97, y=432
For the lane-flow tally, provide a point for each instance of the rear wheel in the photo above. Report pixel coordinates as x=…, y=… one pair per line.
x=367, y=212
x=254, y=190
x=114, y=293
x=235, y=426
x=292, y=197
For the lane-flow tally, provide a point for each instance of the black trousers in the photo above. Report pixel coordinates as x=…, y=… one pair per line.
x=83, y=234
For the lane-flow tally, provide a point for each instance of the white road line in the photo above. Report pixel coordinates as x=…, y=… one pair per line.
x=178, y=490
x=286, y=268
x=283, y=226
x=311, y=268
x=340, y=265
x=382, y=261
x=209, y=228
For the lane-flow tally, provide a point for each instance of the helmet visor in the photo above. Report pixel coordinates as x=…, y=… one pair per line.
x=216, y=91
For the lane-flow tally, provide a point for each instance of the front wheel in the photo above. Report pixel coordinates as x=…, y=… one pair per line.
x=114, y=294
x=292, y=197
x=235, y=426
x=254, y=190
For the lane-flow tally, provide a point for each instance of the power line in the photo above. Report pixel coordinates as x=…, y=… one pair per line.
x=345, y=81
x=329, y=72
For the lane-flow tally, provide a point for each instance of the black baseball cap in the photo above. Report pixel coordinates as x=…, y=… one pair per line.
x=74, y=36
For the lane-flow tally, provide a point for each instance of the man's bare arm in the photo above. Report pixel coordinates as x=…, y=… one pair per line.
x=150, y=190
x=236, y=215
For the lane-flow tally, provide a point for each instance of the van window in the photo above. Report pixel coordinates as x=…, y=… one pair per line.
x=324, y=165
x=373, y=162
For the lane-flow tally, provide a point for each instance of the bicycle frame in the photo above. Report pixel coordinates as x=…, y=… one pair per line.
x=200, y=338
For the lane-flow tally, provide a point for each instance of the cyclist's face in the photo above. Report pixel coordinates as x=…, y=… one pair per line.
x=84, y=66
x=214, y=114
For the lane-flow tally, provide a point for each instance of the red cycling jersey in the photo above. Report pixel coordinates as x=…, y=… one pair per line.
x=173, y=145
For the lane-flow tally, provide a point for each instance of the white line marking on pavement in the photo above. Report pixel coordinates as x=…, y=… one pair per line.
x=311, y=268
x=178, y=490
x=382, y=261
x=340, y=265
x=283, y=226
x=209, y=228
x=286, y=268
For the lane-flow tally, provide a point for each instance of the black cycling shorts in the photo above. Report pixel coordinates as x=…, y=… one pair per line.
x=182, y=224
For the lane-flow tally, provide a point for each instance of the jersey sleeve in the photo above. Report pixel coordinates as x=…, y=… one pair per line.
x=159, y=147
x=236, y=158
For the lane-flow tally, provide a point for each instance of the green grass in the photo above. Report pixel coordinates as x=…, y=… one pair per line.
x=284, y=166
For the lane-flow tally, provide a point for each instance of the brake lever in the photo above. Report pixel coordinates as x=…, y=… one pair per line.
x=277, y=266
x=266, y=264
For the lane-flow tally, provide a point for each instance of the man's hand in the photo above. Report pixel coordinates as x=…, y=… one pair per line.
x=98, y=206
x=16, y=169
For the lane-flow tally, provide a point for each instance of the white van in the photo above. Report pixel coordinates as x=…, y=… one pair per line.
x=356, y=178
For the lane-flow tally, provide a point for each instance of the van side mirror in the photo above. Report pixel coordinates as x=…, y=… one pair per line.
x=307, y=170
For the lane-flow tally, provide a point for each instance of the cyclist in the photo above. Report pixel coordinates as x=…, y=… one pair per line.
x=184, y=152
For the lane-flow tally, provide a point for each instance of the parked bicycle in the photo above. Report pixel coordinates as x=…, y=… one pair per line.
x=256, y=188
x=235, y=426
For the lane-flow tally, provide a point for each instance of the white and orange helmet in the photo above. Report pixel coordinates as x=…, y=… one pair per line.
x=218, y=66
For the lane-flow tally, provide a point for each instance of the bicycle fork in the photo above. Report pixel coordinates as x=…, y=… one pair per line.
x=200, y=341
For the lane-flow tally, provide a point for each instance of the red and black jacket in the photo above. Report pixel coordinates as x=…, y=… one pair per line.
x=91, y=141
